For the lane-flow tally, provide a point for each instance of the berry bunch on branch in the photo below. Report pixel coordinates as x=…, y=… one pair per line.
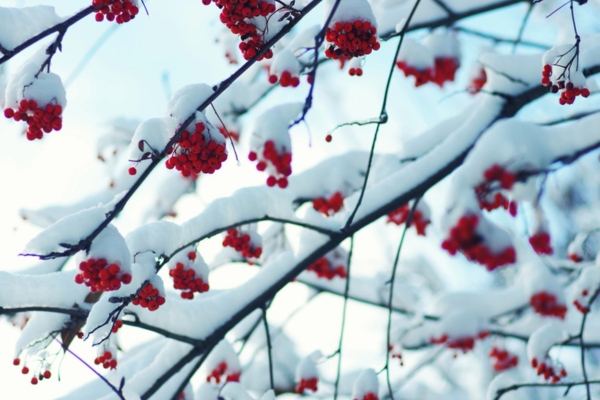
x=189, y=273
x=120, y=11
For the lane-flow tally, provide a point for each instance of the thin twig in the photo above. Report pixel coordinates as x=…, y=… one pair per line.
x=391, y=297
x=340, y=343
x=522, y=28
x=382, y=114
x=117, y=391
x=269, y=347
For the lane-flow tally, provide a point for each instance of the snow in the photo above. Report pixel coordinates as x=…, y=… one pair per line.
x=46, y=290
x=19, y=24
x=70, y=229
x=350, y=10
x=46, y=88
x=366, y=383
x=186, y=100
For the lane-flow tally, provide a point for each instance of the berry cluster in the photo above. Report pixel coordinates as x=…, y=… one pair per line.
x=285, y=80
x=575, y=257
x=242, y=243
x=39, y=119
x=464, y=237
x=219, y=372
x=395, y=354
x=279, y=164
x=100, y=276
x=463, y=344
x=545, y=304
x=196, y=152
x=369, y=396
x=228, y=132
x=149, y=297
x=107, y=360
x=117, y=325
x=310, y=383
x=35, y=379
x=506, y=180
x=238, y=15
x=324, y=269
x=568, y=91
x=582, y=309
x=400, y=216
x=351, y=39
x=186, y=279
x=355, y=72
x=444, y=70
x=120, y=11
x=329, y=206
x=548, y=371
x=541, y=243
x=504, y=359
x=477, y=82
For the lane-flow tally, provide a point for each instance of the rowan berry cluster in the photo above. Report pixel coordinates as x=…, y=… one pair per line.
x=548, y=371
x=186, y=279
x=219, y=373
x=504, y=360
x=323, y=268
x=242, y=242
x=39, y=119
x=575, y=257
x=369, y=396
x=120, y=11
x=285, y=80
x=351, y=39
x=463, y=344
x=444, y=70
x=506, y=179
x=355, y=72
x=582, y=309
x=117, y=325
x=329, y=206
x=477, y=82
x=149, y=297
x=395, y=354
x=196, y=152
x=107, y=360
x=540, y=242
x=46, y=374
x=464, y=237
x=310, y=383
x=278, y=164
x=228, y=132
x=400, y=216
x=546, y=304
x=100, y=276
x=238, y=16
x=568, y=91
